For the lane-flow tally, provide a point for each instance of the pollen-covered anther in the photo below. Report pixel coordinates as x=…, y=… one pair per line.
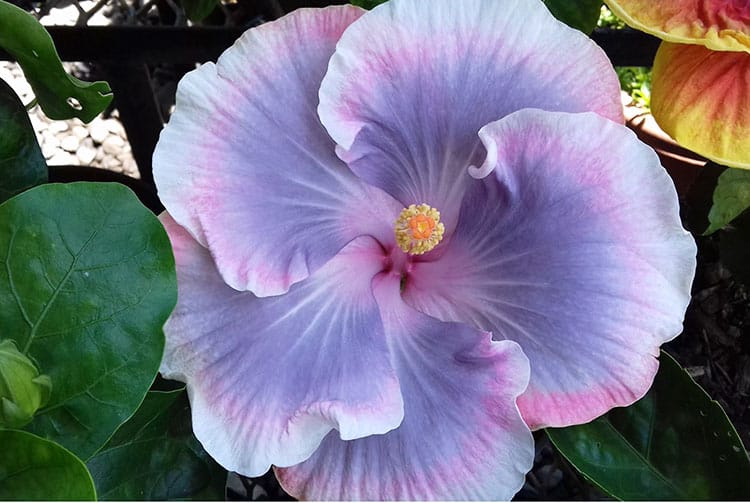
x=418, y=229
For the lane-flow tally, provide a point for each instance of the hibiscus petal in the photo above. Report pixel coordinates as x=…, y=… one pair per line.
x=573, y=248
x=412, y=82
x=462, y=436
x=245, y=165
x=719, y=24
x=268, y=378
x=701, y=98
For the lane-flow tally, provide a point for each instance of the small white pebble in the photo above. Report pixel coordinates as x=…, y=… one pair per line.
x=98, y=130
x=86, y=155
x=115, y=127
x=113, y=145
x=50, y=139
x=49, y=150
x=112, y=163
x=80, y=131
x=37, y=123
x=130, y=167
x=63, y=159
x=58, y=127
x=70, y=143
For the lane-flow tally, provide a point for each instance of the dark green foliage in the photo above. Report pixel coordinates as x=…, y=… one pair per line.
x=88, y=283
x=673, y=444
x=171, y=462
x=22, y=164
x=579, y=14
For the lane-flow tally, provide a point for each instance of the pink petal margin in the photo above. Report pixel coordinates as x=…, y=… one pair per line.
x=269, y=378
x=572, y=246
x=413, y=81
x=462, y=436
x=246, y=167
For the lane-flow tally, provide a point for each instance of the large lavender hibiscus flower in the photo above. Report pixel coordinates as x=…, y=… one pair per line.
x=422, y=227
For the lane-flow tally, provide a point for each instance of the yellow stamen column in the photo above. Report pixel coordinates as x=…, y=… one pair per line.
x=418, y=229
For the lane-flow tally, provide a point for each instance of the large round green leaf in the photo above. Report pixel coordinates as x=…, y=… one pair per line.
x=673, y=444
x=171, y=462
x=87, y=284
x=32, y=468
x=60, y=95
x=21, y=161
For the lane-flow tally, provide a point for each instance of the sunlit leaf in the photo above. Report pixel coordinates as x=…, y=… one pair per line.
x=21, y=161
x=367, y=4
x=673, y=444
x=197, y=10
x=60, y=95
x=731, y=197
x=171, y=462
x=579, y=14
x=87, y=285
x=32, y=468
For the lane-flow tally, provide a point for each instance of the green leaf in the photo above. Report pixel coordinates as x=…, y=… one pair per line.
x=731, y=197
x=21, y=161
x=60, y=95
x=734, y=250
x=579, y=14
x=32, y=468
x=171, y=462
x=636, y=81
x=367, y=4
x=673, y=444
x=87, y=284
x=197, y=10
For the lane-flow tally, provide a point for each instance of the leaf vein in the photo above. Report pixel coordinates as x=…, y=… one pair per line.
x=12, y=283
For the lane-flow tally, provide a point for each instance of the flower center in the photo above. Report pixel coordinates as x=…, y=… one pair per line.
x=418, y=229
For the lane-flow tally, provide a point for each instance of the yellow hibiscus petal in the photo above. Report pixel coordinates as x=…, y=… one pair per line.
x=722, y=25
x=702, y=99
